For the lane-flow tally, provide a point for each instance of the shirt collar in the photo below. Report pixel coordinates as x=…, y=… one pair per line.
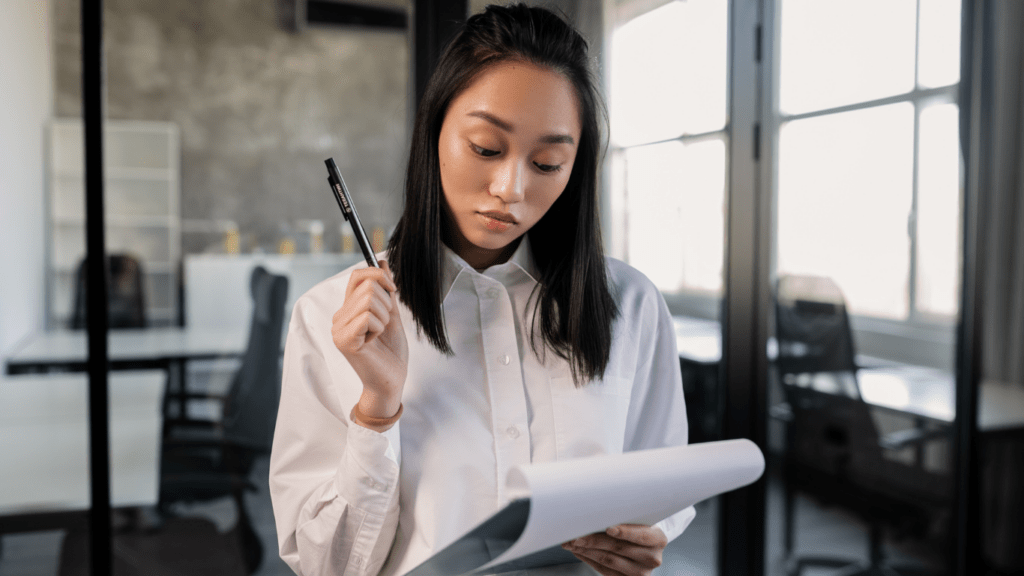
x=521, y=260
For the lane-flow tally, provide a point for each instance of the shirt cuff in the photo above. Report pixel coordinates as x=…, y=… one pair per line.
x=368, y=475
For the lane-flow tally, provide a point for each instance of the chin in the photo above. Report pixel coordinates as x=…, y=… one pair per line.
x=491, y=241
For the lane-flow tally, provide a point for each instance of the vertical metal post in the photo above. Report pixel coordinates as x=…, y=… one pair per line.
x=96, y=288
x=975, y=132
x=434, y=24
x=744, y=387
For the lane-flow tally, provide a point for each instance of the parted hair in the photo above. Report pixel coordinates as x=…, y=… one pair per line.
x=574, y=303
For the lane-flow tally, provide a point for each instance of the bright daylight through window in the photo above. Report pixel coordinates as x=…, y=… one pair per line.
x=868, y=166
x=867, y=173
x=668, y=113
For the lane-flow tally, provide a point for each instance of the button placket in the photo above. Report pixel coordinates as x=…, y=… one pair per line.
x=506, y=390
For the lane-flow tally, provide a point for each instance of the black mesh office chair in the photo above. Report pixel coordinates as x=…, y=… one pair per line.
x=204, y=460
x=834, y=451
x=126, y=301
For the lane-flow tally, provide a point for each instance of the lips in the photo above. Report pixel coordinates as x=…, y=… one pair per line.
x=501, y=216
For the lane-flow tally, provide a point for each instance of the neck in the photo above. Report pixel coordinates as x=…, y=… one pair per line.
x=481, y=258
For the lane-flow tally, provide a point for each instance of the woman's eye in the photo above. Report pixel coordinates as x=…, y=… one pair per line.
x=548, y=167
x=484, y=151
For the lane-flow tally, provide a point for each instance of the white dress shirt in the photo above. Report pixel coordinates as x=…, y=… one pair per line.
x=351, y=501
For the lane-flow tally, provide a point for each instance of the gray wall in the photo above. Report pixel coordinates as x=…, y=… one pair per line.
x=259, y=108
x=26, y=96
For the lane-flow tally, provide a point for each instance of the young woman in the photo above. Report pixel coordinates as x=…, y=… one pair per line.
x=503, y=336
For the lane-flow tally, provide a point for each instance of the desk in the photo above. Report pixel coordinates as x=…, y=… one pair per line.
x=67, y=350
x=44, y=439
x=919, y=391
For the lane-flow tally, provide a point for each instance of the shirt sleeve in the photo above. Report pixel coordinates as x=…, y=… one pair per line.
x=657, y=413
x=333, y=483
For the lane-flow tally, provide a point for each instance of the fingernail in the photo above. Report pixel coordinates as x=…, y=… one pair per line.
x=613, y=531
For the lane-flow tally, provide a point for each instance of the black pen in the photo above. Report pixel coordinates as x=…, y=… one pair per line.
x=341, y=194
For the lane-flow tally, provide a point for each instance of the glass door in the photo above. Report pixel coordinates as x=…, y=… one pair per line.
x=865, y=284
x=667, y=75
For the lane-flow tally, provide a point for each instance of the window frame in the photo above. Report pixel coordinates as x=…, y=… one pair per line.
x=920, y=338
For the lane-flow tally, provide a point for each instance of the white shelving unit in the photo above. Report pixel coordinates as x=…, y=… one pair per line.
x=143, y=217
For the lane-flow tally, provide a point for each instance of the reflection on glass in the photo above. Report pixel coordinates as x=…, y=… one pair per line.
x=837, y=53
x=675, y=201
x=669, y=72
x=938, y=211
x=938, y=61
x=844, y=196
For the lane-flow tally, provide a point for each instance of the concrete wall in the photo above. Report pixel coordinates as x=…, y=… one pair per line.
x=26, y=96
x=259, y=107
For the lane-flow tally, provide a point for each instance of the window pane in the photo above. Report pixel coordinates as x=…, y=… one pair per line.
x=668, y=72
x=938, y=211
x=843, y=202
x=675, y=199
x=837, y=53
x=939, y=59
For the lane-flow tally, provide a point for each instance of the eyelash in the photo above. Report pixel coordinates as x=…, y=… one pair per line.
x=547, y=168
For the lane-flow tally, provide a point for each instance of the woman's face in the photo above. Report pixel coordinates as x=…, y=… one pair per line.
x=507, y=147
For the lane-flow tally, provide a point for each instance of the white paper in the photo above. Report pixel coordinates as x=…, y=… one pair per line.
x=578, y=497
x=555, y=502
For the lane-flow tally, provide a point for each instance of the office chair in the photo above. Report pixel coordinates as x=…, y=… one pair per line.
x=834, y=451
x=126, y=303
x=205, y=460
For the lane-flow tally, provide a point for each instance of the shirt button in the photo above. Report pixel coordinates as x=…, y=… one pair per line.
x=492, y=292
x=512, y=431
x=504, y=359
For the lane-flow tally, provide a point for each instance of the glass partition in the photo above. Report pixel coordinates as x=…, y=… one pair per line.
x=667, y=87
x=44, y=421
x=865, y=286
x=218, y=217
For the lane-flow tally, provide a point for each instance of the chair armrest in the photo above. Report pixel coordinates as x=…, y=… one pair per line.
x=198, y=396
x=910, y=437
x=194, y=424
x=782, y=411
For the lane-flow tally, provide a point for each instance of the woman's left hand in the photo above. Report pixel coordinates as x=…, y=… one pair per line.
x=623, y=550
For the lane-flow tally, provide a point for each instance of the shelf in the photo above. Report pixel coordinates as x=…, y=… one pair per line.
x=123, y=221
x=147, y=268
x=121, y=173
x=142, y=213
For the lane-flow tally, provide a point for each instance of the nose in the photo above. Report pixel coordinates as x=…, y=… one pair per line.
x=509, y=181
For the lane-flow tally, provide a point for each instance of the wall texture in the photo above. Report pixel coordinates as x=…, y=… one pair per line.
x=259, y=108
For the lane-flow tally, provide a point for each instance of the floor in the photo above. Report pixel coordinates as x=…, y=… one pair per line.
x=820, y=530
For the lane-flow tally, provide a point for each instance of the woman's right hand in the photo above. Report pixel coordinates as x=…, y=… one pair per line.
x=368, y=331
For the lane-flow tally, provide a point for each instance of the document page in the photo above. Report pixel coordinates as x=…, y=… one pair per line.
x=557, y=501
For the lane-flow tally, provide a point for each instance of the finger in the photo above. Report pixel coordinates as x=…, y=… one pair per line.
x=365, y=297
x=369, y=274
x=639, y=534
x=645, y=556
x=596, y=565
x=365, y=329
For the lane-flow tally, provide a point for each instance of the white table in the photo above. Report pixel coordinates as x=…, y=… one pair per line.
x=44, y=439
x=915, y=390
x=67, y=350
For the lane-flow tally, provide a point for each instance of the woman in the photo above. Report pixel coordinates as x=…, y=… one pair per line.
x=529, y=345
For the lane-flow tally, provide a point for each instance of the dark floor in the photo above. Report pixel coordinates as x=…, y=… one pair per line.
x=823, y=531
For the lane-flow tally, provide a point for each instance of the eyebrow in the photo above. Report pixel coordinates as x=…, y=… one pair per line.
x=547, y=139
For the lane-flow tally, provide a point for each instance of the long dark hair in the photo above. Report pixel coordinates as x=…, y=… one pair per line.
x=575, y=305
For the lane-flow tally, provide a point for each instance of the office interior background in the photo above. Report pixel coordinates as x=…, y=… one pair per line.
x=828, y=194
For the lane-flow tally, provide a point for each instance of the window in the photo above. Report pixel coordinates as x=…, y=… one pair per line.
x=868, y=166
x=668, y=78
